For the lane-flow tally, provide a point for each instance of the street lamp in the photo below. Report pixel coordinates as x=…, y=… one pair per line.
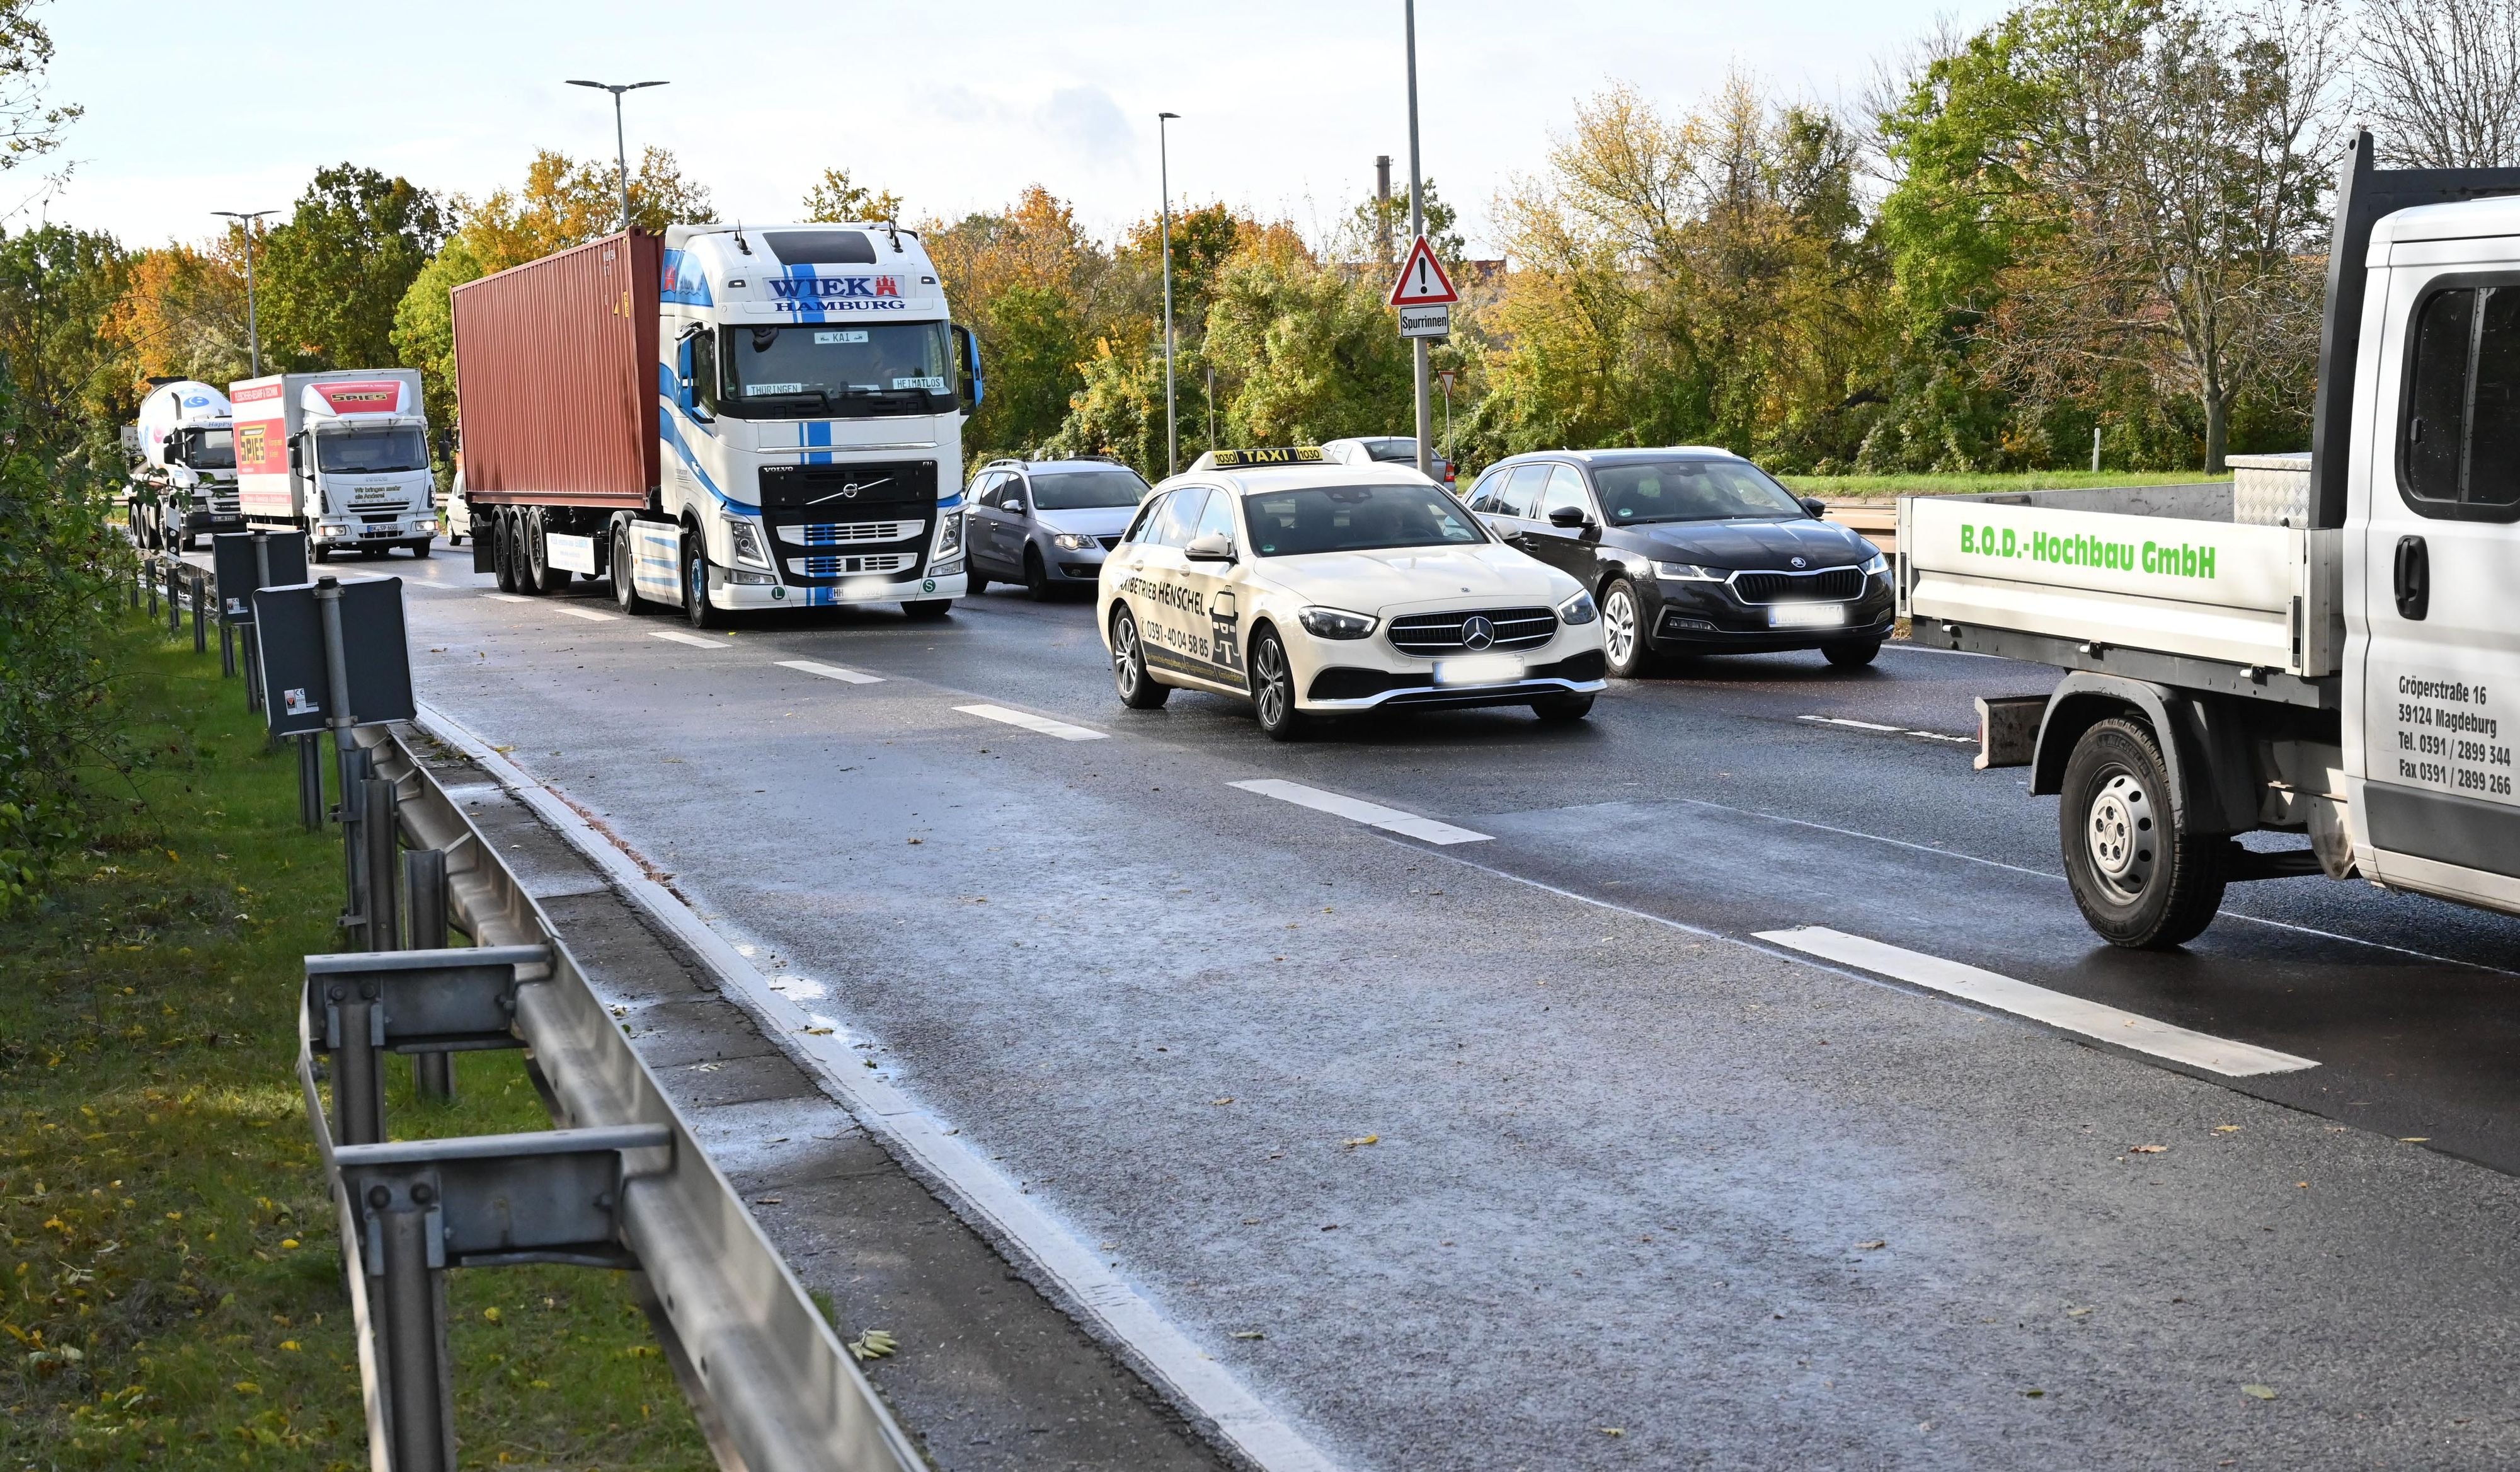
x=1417, y=228
x=1164, y=181
x=252, y=331
x=620, y=145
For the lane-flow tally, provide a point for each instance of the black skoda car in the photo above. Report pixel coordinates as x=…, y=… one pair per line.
x=1692, y=551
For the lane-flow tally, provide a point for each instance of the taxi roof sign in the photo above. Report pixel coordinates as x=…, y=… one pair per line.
x=1423, y=282
x=1275, y=455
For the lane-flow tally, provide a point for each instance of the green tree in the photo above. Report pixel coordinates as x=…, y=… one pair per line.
x=58, y=289
x=838, y=201
x=30, y=122
x=332, y=276
x=1309, y=350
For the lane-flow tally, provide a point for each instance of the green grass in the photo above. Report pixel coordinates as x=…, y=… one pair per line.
x=1864, y=487
x=171, y=1276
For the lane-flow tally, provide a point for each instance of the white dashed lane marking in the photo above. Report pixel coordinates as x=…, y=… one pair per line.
x=1874, y=725
x=1031, y=722
x=1356, y=809
x=590, y=615
x=832, y=671
x=2069, y=1014
x=506, y=598
x=693, y=640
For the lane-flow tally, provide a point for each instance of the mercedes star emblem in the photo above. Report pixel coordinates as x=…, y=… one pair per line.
x=1477, y=632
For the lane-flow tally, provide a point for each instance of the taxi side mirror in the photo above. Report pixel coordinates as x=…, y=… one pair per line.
x=1214, y=546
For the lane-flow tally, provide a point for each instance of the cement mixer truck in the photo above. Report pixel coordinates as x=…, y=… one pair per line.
x=183, y=472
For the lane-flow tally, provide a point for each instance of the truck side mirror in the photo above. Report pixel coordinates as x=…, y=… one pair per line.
x=966, y=349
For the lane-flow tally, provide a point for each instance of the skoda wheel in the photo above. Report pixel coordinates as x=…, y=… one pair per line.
x=1623, y=631
x=2141, y=876
x=1852, y=654
x=696, y=593
x=1273, y=688
x=1136, y=685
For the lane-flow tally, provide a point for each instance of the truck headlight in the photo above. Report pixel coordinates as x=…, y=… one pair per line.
x=1335, y=624
x=745, y=538
x=1688, y=571
x=1578, y=610
x=1074, y=541
x=948, y=535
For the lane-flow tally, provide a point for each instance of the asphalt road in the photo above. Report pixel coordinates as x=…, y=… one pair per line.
x=1525, y=1150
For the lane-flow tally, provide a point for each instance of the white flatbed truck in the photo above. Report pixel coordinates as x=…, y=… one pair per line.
x=2327, y=648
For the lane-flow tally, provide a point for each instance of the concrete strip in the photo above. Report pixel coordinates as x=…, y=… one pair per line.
x=1356, y=809
x=2069, y=1014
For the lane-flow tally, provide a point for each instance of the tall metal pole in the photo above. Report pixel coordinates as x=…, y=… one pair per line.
x=1165, y=179
x=252, y=329
x=1417, y=227
x=620, y=139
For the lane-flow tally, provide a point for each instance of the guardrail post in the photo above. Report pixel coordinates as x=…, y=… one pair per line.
x=149, y=575
x=423, y=870
x=360, y=1005
x=252, y=646
x=380, y=836
x=420, y=1400
x=228, y=655
x=201, y=630
x=310, y=781
x=139, y=576
x=354, y=1034
x=174, y=604
x=347, y=799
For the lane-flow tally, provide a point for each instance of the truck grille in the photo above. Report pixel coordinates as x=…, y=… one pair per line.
x=1425, y=635
x=842, y=567
x=830, y=488
x=1828, y=585
x=842, y=533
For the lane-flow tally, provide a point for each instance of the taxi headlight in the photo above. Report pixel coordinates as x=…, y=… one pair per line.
x=1878, y=566
x=1686, y=571
x=1335, y=624
x=1578, y=610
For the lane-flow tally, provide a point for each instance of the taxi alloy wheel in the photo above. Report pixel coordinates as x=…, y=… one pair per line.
x=1273, y=688
x=1623, y=639
x=1138, y=688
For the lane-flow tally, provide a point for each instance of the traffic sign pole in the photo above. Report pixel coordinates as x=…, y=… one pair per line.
x=1418, y=228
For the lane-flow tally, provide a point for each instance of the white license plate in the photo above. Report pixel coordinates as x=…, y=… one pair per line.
x=1806, y=616
x=1479, y=669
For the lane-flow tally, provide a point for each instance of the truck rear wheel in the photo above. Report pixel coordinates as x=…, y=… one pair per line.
x=2141, y=877
x=503, y=551
x=537, y=570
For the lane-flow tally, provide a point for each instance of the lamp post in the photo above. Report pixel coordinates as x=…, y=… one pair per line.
x=1164, y=181
x=620, y=143
x=252, y=329
x=1417, y=228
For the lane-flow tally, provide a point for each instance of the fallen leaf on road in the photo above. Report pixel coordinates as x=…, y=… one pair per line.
x=2262, y=1392
x=2033, y=1394
x=817, y=1032
x=2302, y=1184
x=874, y=1344
x=2226, y=1129
x=1614, y=1431
x=2146, y=1149
x=2076, y=1312
x=2413, y=1139
x=1228, y=1099
x=918, y=841
x=1875, y=1245
x=1362, y=1139
x=1251, y=1334
x=769, y=1200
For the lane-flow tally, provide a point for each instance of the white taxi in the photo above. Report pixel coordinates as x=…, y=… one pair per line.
x=1313, y=587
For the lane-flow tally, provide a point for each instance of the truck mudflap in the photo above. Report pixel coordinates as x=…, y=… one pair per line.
x=2204, y=746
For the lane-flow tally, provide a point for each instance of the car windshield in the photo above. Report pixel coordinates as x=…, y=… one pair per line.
x=817, y=371
x=1393, y=452
x=1355, y=519
x=209, y=450
x=1085, y=490
x=1633, y=492
x=370, y=450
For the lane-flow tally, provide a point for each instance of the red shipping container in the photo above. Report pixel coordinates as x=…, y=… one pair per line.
x=556, y=378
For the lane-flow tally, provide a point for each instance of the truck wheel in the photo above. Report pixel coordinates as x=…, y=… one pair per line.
x=927, y=608
x=2141, y=879
x=695, y=595
x=323, y=554
x=1139, y=690
x=625, y=590
x=538, y=570
x=1852, y=654
x=503, y=552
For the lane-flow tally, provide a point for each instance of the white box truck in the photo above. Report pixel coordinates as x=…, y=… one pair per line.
x=2337, y=664
x=183, y=474
x=341, y=456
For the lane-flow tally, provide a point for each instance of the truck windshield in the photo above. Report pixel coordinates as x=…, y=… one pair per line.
x=370, y=450
x=831, y=371
x=1085, y=490
x=1690, y=491
x=1355, y=519
x=209, y=450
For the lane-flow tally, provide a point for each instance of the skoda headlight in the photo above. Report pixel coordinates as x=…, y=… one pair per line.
x=746, y=538
x=1335, y=624
x=1688, y=571
x=1073, y=541
x=1578, y=610
x=948, y=535
x=1876, y=565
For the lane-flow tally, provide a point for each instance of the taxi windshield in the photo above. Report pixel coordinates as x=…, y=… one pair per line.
x=1355, y=519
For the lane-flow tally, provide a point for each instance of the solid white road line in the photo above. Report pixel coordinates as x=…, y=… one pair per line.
x=1874, y=725
x=832, y=671
x=506, y=598
x=1373, y=814
x=1084, y=1276
x=590, y=615
x=2070, y=1014
x=693, y=640
x=1030, y=723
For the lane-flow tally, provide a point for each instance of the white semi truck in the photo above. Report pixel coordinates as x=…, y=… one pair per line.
x=183, y=476
x=2326, y=651
x=729, y=417
x=341, y=456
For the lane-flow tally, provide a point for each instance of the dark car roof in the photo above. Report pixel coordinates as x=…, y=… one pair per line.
x=1613, y=456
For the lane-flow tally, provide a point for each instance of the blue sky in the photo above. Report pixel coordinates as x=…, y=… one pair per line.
x=955, y=105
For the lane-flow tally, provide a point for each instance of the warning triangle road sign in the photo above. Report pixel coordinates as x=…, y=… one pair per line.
x=1423, y=282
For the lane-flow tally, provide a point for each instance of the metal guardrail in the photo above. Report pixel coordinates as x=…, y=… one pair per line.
x=774, y=1386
